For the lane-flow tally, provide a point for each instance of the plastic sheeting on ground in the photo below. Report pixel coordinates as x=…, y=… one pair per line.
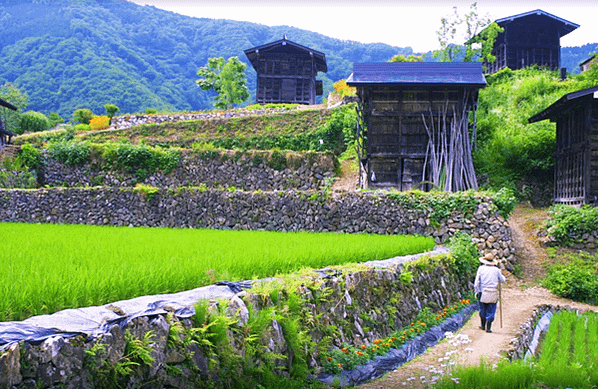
x=540, y=328
x=396, y=357
x=95, y=321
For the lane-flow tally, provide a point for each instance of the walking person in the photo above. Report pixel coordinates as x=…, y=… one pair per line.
x=486, y=283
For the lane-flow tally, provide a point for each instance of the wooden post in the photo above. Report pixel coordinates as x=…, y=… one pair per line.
x=500, y=302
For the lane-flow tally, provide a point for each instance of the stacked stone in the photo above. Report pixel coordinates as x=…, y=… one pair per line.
x=352, y=305
x=287, y=210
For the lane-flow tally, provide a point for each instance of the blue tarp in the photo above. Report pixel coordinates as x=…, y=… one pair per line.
x=95, y=321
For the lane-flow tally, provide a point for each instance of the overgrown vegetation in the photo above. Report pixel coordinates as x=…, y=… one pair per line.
x=573, y=276
x=509, y=150
x=112, y=263
x=568, y=224
x=442, y=205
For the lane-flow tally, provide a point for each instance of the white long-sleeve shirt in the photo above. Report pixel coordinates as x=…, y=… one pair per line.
x=487, y=277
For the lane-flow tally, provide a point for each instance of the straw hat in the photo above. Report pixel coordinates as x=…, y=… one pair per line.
x=489, y=260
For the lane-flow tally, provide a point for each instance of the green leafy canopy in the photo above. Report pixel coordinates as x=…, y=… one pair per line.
x=227, y=79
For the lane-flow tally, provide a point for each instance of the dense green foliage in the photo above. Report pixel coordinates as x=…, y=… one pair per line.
x=567, y=359
x=111, y=263
x=32, y=121
x=442, y=205
x=335, y=135
x=227, y=79
x=70, y=55
x=567, y=223
x=574, y=279
x=508, y=147
x=11, y=93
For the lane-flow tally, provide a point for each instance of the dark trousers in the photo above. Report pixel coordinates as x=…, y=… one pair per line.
x=487, y=311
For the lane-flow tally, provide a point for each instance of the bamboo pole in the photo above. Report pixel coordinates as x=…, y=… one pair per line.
x=500, y=302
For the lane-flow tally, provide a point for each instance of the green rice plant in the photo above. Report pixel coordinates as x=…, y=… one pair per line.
x=518, y=375
x=559, y=365
x=45, y=268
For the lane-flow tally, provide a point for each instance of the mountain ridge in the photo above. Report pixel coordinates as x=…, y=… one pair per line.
x=67, y=56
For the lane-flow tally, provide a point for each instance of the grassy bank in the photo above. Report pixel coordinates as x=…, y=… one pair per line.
x=46, y=268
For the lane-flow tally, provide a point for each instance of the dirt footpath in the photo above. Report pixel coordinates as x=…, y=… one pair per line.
x=470, y=343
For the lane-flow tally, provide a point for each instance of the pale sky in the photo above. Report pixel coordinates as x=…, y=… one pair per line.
x=394, y=22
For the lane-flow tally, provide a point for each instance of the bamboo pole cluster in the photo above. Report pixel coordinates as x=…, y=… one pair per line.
x=448, y=155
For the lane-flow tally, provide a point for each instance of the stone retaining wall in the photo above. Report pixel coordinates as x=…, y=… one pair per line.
x=248, y=170
x=127, y=121
x=376, y=213
x=350, y=307
x=521, y=343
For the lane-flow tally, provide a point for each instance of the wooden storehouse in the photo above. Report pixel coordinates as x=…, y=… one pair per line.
x=5, y=135
x=588, y=63
x=576, y=159
x=286, y=72
x=414, y=125
x=531, y=38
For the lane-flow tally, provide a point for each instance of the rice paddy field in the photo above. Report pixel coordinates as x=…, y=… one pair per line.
x=567, y=358
x=45, y=268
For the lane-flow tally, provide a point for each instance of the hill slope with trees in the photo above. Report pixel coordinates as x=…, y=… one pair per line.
x=74, y=55
x=70, y=55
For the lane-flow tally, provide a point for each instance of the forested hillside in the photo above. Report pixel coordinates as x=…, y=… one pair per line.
x=69, y=55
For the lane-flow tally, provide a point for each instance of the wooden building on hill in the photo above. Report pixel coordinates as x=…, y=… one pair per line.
x=576, y=160
x=531, y=38
x=286, y=72
x=413, y=127
x=5, y=135
x=588, y=63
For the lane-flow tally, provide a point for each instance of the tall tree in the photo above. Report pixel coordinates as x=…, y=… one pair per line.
x=11, y=93
x=227, y=79
x=478, y=33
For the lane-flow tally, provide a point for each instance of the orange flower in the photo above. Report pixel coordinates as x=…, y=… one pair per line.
x=359, y=353
x=392, y=339
x=423, y=324
x=402, y=337
x=377, y=341
x=344, y=349
x=330, y=358
x=339, y=365
x=363, y=346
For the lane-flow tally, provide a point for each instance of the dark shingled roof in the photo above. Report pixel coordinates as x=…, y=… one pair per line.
x=563, y=25
x=8, y=105
x=558, y=105
x=286, y=45
x=428, y=73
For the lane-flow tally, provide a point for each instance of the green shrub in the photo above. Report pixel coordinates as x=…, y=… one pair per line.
x=111, y=110
x=568, y=222
x=151, y=111
x=82, y=115
x=575, y=280
x=69, y=153
x=134, y=157
x=30, y=156
x=465, y=254
x=505, y=201
x=82, y=127
x=32, y=121
x=55, y=119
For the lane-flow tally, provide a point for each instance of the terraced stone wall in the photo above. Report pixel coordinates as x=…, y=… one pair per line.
x=248, y=170
x=288, y=210
x=352, y=307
